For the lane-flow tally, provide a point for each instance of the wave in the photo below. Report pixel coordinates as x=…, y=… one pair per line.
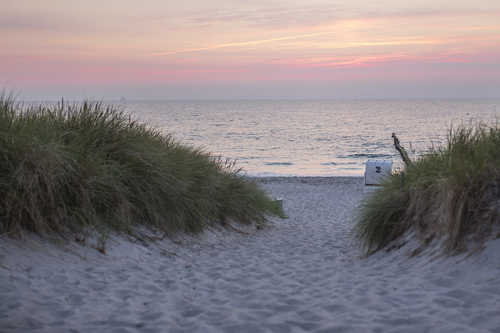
x=279, y=163
x=268, y=148
x=370, y=155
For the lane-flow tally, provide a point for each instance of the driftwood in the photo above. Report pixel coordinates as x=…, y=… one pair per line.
x=401, y=150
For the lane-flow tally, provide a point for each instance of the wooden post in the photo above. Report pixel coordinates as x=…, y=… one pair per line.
x=401, y=150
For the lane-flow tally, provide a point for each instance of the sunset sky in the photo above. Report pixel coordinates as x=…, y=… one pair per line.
x=252, y=49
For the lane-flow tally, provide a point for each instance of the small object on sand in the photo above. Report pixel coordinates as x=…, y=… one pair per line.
x=278, y=202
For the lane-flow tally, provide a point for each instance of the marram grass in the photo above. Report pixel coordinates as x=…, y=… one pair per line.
x=84, y=168
x=450, y=195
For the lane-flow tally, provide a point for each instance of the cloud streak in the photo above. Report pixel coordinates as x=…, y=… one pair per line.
x=265, y=41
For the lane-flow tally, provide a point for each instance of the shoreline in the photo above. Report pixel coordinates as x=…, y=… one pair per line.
x=296, y=274
x=285, y=177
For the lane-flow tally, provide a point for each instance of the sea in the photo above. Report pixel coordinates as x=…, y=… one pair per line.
x=269, y=138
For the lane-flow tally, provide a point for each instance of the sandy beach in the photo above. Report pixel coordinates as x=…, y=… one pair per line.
x=299, y=274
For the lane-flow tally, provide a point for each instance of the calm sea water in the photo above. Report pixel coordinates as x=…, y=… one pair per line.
x=310, y=137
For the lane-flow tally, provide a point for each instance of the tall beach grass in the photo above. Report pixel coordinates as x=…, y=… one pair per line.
x=450, y=197
x=76, y=169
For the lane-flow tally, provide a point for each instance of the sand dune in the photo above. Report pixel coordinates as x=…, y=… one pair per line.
x=297, y=274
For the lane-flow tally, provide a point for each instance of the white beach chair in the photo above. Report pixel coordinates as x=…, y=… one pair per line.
x=375, y=172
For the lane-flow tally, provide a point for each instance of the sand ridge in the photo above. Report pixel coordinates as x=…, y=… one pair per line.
x=299, y=274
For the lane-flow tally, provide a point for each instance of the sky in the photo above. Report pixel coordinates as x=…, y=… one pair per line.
x=249, y=49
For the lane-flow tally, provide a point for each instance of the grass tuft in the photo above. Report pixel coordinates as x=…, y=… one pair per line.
x=450, y=194
x=86, y=168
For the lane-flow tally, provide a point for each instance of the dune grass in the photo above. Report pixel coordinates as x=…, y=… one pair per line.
x=451, y=194
x=84, y=168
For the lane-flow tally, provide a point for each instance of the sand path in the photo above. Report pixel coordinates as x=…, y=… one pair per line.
x=299, y=274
